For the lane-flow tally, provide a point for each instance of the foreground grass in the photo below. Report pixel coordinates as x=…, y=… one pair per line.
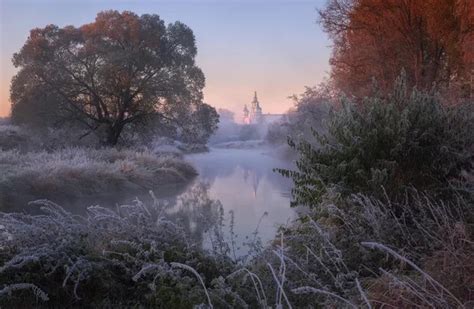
x=77, y=172
x=135, y=255
x=363, y=255
x=362, y=252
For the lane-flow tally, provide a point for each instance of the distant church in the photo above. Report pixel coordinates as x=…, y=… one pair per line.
x=255, y=115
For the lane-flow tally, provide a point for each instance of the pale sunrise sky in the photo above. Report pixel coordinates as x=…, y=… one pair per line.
x=274, y=47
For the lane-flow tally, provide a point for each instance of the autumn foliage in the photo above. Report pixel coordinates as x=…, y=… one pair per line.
x=432, y=40
x=113, y=75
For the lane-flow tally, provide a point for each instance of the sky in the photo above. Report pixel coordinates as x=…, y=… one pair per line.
x=273, y=47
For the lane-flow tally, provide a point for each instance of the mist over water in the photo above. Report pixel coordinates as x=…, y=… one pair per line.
x=244, y=182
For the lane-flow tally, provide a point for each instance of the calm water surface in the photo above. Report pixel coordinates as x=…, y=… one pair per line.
x=244, y=182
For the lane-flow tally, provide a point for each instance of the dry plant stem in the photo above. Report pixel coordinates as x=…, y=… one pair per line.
x=198, y=276
x=309, y=289
x=279, y=285
x=374, y=245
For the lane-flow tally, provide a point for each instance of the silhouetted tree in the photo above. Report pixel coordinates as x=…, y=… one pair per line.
x=202, y=123
x=226, y=115
x=120, y=70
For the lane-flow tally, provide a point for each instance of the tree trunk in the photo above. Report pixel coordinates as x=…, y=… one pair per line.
x=113, y=134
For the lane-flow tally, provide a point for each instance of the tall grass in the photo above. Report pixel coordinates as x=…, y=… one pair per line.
x=135, y=255
x=358, y=253
x=368, y=252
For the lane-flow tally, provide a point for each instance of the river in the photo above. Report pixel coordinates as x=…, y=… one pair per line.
x=244, y=182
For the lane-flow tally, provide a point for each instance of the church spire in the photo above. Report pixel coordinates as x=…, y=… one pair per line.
x=254, y=113
x=255, y=99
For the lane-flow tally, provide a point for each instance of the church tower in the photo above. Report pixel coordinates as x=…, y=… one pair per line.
x=255, y=110
x=246, y=118
x=253, y=114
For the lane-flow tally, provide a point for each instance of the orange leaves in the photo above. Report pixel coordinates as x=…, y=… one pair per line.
x=431, y=40
x=121, y=27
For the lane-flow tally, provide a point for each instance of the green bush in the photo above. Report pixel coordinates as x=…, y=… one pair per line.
x=386, y=144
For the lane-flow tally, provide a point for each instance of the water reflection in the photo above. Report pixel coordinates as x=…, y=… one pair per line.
x=196, y=212
x=244, y=182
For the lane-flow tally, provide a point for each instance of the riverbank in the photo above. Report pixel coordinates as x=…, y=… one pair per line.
x=74, y=173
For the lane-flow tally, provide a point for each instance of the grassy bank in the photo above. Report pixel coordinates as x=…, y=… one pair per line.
x=78, y=172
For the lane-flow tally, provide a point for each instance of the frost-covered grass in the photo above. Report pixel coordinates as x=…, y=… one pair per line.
x=364, y=252
x=165, y=145
x=12, y=137
x=77, y=172
x=135, y=255
x=250, y=144
x=362, y=256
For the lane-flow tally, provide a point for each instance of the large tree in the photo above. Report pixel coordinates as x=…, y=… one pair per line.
x=109, y=75
x=432, y=40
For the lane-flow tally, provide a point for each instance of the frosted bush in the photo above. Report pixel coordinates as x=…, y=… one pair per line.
x=404, y=139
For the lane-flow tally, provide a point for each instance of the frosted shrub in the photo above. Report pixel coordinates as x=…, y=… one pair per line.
x=310, y=110
x=30, y=138
x=402, y=140
x=390, y=194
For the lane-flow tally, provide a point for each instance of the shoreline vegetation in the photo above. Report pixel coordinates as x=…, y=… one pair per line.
x=75, y=173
